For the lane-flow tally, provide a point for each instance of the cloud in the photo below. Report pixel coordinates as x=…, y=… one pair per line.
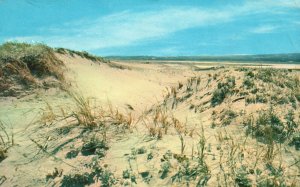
x=128, y=28
x=264, y=29
x=275, y=3
x=289, y=3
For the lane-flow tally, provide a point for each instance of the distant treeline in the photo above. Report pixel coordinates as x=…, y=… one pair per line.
x=291, y=58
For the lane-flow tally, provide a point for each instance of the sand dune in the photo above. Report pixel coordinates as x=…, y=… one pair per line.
x=156, y=124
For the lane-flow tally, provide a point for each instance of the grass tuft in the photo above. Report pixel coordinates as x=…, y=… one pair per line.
x=24, y=66
x=6, y=141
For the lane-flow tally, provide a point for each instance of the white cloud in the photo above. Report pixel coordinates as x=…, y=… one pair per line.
x=289, y=3
x=127, y=28
x=275, y=3
x=264, y=29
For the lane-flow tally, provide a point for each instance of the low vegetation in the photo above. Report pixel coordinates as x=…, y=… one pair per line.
x=254, y=139
x=94, y=58
x=97, y=173
x=6, y=141
x=94, y=127
x=268, y=127
x=28, y=66
x=25, y=67
x=223, y=89
x=263, y=102
x=82, y=54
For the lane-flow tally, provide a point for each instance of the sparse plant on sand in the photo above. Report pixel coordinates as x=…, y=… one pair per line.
x=54, y=174
x=180, y=85
x=158, y=122
x=87, y=130
x=84, y=113
x=129, y=175
x=266, y=74
x=242, y=179
x=6, y=141
x=227, y=117
x=28, y=66
x=179, y=128
x=77, y=179
x=88, y=115
x=223, y=89
x=97, y=173
x=269, y=127
x=248, y=83
x=93, y=146
x=201, y=146
x=165, y=168
x=192, y=173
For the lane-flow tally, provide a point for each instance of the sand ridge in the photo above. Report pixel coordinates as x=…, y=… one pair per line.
x=165, y=106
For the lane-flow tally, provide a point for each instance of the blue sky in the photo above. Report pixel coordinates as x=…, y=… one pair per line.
x=155, y=27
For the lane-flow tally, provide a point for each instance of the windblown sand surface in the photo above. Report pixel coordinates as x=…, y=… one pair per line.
x=137, y=88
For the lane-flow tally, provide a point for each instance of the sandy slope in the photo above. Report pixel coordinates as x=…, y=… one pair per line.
x=141, y=86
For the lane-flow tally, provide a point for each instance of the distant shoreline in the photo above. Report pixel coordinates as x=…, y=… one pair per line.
x=291, y=58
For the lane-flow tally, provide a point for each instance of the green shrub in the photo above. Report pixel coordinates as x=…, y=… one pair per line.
x=293, y=101
x=227, y=117
x=292, y=82
x=267, y=128
x=254, y=90
x=94, y=146
x=126, y=174
x=188, y=173
x=291, y=125
x=261, y=98
x=107, y=178
x=72, y=154
x=282, y=100
x=275, y=177
x=269, y=124
x=250, y=74
x=295, y=141
x=223, y=90
x=218, y=96
x=248, y=83
x=150, y=156
x=266, y=74
x=242, y=69
x=77, y=180
x=242, y=179
x=297, y=95
x=165, y=168
x=97, y=173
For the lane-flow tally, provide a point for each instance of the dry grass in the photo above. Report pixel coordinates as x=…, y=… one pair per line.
x=87, y=114
x=255, y=160
x=159, y=121
x=96, y=59
x=24, y=66
x=82, y=54
x=245, y=163
x=231, y=159
x=6, y=141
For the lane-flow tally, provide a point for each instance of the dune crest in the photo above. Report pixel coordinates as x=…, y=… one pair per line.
x=70, y=118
